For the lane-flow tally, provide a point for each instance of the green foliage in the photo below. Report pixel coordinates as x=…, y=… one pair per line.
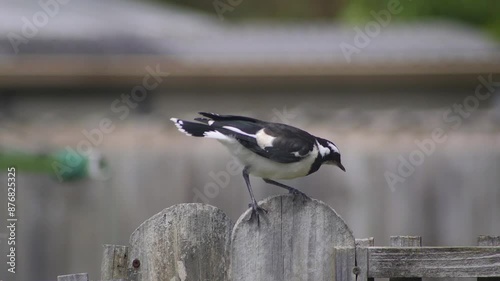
x=482, y=13
x=268, y=10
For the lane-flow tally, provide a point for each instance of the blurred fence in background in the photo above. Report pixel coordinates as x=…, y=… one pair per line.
x=450, y=198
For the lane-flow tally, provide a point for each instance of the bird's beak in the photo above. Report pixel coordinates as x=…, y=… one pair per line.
x=341, y=166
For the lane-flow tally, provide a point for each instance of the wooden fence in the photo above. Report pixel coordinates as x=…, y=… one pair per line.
x=296, y=241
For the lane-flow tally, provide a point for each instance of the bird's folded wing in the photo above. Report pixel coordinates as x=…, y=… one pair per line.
x=218, y=117
x=277, y=142
x=282, y=151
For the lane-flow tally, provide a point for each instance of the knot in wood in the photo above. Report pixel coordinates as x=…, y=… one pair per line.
x=136, y=263
x=356, y=270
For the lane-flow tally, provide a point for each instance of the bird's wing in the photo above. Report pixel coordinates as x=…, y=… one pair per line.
x=277, y=142
x=218, y=117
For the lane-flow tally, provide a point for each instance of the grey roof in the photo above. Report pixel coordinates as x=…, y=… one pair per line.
x=321, y=43
x=90, y=27
x=94, y=26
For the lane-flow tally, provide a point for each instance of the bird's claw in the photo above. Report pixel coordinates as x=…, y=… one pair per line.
x=256, y=209
x=296, y=193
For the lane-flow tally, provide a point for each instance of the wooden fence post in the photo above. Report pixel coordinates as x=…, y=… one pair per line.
x=362, y=257
x=485, y=240
x=406, y=241
x=74, y=277
x=114, y=262
x=183, y=242
x=297, y=240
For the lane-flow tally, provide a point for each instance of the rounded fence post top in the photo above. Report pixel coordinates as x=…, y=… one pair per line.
x=294, y=208
x=187, y=241
x=181, y=208
x=296, y=240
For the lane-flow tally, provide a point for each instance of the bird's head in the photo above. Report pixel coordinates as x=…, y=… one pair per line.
x=330, y=153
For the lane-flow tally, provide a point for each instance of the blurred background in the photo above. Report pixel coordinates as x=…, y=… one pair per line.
x=408, y=90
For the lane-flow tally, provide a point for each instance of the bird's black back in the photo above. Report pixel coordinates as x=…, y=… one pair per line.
x=217, y=117
x=290, y=144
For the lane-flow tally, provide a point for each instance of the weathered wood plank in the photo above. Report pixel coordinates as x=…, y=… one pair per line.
x=434, y=262
x=345, y=268
x=295, y=241
x=74, y=277
x=365, y=242
x=362, y=257
x=114, y=262
x=486, y=240
x=183, y=242
x=405, y=241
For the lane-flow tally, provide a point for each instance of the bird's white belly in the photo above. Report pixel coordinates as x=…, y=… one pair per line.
x=265, y=168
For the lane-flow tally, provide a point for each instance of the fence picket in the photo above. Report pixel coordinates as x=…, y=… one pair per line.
x=114, y=262
x=485, y=240
x=183, y=242
x=295, y=241
x=362, y=258
x=73, y=277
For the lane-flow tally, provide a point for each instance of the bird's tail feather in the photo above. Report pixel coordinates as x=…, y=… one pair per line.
x=199, y=130
x=191, y=128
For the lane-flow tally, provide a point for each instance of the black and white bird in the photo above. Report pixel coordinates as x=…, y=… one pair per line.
x=268, y=150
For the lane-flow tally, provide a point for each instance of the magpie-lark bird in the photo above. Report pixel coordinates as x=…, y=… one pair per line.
x=268, y=150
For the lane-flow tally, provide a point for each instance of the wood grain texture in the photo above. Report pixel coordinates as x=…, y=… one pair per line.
x=345, y=262
x=434, y=262
x=296, y=241
x=487, y=240
x=183, y=242
x=405, y=241
x=74, y=277
x=114, y=262
x=362, y=257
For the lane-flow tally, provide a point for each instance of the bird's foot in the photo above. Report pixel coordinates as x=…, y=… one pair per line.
x=256, y=209
x=297, y=193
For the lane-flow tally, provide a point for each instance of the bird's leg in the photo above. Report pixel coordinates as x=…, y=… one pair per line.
x=255, y=207
x=290, y=189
